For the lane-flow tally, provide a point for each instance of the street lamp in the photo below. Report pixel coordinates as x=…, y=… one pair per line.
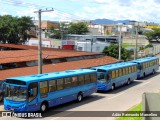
x=120, y=39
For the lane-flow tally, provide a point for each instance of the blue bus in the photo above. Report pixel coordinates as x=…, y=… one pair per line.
x=146, y=66
x=1, y=90
x=114, y=75
x=39, y=92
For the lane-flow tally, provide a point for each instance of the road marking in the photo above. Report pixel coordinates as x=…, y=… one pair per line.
x=117, y=95
x=144, y=84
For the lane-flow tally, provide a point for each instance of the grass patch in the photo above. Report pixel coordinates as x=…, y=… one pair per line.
x=135, y=108
x=125, y=45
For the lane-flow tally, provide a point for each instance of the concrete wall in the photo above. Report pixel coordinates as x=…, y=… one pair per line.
x=151, y=104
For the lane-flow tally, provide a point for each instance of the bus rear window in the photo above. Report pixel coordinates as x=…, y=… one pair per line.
x=18, y=82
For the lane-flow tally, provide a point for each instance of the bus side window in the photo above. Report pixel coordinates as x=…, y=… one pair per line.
x=113, y=74
x=120, y=72
x=43, y=87
x=60, y=84
x=157, y=61
x=93, y=77
x=74, y=81
x=52, y=85
x=87, y=78
x=81, y=79
x=34, y=88
x=67, y=82
x=117, y=74
x=126, y=70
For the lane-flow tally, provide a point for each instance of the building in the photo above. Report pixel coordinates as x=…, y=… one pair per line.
x=89, y=43
x=46, y=42
x=46, y=26
x=20, y=60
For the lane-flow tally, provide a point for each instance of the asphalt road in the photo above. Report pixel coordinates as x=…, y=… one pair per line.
x=120, y=99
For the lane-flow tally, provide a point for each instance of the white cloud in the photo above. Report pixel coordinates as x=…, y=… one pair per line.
x=4, y=13
x=140, y=10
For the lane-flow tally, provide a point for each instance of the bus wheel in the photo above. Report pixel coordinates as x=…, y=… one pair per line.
x=144, y=74
x=44, y=107
x=128, y=82
x=113, y=87
x=79, y=97
x=153, y=72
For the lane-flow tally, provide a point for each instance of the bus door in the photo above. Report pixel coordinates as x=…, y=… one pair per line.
x=33, y=96
x=108, y=77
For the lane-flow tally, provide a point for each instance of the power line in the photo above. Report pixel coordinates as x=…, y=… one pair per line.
x=15, y=3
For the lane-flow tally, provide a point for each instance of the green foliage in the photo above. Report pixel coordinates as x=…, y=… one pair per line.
x=57, y=33
x=54, y=33
x=78, y=28
x=153, y=35
x=137, y=109
x=14, y=30
x=113, y=51
x=149, y=45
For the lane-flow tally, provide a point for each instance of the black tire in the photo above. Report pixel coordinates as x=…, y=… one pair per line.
x=144, y=75
x=44, y=107
x=128, y=82
x=113, y=87
x=79, y=97
x=153, y=72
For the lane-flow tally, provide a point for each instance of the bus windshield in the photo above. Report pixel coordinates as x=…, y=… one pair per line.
x=16, y=93
x=101, y=77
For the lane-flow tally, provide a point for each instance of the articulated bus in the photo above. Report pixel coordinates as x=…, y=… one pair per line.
x=39, y=92
x=114, y=75
x=146, y=66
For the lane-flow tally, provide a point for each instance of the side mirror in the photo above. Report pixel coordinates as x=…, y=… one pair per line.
x=31, y=92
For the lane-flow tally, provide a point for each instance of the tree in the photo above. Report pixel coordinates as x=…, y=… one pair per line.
x=14, y=30
x=78, y=28
x=59, y=32
x=112, y=51
x=153, y=35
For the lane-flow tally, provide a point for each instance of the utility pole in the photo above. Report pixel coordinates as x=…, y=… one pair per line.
x=40, y=60
x=120, y=40
x=136, y=41
x=91, y=43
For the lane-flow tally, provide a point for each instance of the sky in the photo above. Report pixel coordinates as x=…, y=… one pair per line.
x=66, y=10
